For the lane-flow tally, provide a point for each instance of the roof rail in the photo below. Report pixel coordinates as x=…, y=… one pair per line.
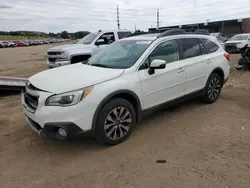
x=137, y=33
x=171, y=32
x=182, y=32
x=201, y=32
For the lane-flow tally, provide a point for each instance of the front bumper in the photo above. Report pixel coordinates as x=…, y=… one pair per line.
x=50, y=130
x=57, y=64
x=46, y=120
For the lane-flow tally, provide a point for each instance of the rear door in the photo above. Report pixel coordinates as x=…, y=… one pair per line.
x=198, y=64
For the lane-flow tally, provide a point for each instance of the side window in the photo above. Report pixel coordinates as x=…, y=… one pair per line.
x=123, y=34
x=106, y=38
x=211, y=46
x=167, y=51
x=191, y=47
x=203, y=48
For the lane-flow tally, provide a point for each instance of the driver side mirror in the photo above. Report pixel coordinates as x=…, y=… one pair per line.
x=156, y=64
x=99, y=42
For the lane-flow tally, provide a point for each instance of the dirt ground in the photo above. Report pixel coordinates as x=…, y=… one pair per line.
x=203, y=145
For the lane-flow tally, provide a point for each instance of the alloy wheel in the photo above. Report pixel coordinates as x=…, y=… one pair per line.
x=214, y=88
x=117, y=123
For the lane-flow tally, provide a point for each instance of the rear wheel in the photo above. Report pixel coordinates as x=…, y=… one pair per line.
x=213, y=88
x=116, y=121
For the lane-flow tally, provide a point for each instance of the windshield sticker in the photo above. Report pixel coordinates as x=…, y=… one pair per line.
x=143, y=42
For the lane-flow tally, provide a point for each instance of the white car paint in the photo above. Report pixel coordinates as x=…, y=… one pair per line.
x=176, y=80
x=72, y=50
x=78, y=73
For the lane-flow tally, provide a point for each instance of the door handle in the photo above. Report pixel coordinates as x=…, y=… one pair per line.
x=180, y=69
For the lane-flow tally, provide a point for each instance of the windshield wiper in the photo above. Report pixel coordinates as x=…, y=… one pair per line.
x=99, y=65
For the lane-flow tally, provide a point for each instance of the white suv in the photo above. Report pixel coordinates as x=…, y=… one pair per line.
x=110, y=93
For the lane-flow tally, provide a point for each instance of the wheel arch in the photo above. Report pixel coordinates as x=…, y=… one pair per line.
x=220, y=72
x=128, y=95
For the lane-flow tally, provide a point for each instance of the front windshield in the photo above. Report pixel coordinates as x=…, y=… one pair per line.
x=239, y=37
x=122, y=54
x=88, y=38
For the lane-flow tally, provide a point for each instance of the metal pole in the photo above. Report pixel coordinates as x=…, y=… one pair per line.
x=222, y=28
x=118, y=17
x=158, y=20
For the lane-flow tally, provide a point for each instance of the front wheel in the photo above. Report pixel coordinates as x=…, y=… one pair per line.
x=116, y=121
x=212, y=89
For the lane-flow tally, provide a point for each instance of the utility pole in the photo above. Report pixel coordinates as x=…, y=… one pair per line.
x=118, y=17
x=158, y=20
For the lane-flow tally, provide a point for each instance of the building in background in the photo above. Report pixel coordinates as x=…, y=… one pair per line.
x=227, y=27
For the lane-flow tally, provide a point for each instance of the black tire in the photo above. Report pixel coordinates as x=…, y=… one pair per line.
x=212, y=89
x=241, y=61
x=119, y=128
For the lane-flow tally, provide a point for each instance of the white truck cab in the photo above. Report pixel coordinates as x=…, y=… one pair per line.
x=84, y=49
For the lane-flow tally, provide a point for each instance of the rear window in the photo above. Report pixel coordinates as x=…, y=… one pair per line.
x=211, y=46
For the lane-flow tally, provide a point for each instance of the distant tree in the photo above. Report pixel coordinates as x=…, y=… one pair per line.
x=79, y=34
x=64, y=35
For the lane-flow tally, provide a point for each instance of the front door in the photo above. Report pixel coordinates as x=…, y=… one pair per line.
x=165, y=84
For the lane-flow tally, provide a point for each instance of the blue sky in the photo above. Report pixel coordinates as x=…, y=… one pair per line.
x=92, y=15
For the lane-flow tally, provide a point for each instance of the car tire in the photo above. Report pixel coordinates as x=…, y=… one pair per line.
x=115, y=122
x=212, y=89
x=241, y=61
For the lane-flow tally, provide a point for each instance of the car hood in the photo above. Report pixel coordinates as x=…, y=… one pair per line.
x=72, y=77
x=69, y=47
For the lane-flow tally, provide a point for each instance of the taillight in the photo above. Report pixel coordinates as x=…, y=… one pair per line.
x=226, y=56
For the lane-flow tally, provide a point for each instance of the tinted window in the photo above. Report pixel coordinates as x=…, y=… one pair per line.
x=167, y=51
x=191, y=48
x=211, y=46
x=203, y=48
x=88, y=38
x=121, y=55
x=123, y=34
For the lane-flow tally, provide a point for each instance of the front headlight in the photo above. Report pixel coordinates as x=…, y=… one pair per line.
x=68, y=99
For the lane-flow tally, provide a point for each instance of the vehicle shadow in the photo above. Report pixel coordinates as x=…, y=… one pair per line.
x=5, y=93
x=168, y=110
x=88, y=143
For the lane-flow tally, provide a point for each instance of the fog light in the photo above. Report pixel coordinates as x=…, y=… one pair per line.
x=62, y=132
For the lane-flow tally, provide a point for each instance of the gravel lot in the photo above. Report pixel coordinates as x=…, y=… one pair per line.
x=203, y=145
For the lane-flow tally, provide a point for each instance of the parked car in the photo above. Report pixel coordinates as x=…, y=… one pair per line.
x=231, y=45
x=3, y=44
x=21, y=44
x=220, y=36
x=12, y=44
x=84, y=49
x=110, y=93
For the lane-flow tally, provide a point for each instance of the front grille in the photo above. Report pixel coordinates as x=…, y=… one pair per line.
x=31, y=101
x=32, y=87
x=52, y=59
x=54, y=53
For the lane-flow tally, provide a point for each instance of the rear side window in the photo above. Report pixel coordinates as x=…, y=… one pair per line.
x=211, y=46
x=203, y=48
x=191, y=47
x=123, y=34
